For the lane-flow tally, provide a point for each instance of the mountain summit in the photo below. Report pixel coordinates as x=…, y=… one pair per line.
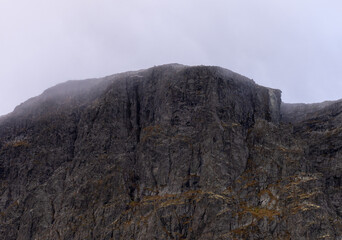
x=171, y=152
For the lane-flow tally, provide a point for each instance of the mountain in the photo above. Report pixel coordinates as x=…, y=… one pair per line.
x=171, y=152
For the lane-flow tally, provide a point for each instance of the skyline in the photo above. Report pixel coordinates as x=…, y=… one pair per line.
x=291, y=46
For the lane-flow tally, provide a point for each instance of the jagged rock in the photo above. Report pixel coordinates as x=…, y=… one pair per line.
x=171, y=152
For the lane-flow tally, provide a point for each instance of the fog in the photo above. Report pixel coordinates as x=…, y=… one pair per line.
x=291, y=45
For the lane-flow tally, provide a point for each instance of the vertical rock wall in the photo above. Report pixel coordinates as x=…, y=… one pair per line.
x=172, y=152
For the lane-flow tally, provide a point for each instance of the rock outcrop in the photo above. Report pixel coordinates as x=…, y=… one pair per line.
x=171, y=152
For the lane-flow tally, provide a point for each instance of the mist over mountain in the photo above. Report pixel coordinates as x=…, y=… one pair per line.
x=170, y=152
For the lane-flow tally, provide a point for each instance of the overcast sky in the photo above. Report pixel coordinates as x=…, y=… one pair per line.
x=293, y=45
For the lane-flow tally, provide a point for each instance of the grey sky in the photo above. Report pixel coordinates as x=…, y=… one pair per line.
x=293, y=45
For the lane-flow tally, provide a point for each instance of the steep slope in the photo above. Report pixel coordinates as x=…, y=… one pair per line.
x=171, y=152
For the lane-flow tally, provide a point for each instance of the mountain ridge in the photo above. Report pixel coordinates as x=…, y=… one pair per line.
x=287, y=108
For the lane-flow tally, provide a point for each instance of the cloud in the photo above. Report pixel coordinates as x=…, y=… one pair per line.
x=291, y=45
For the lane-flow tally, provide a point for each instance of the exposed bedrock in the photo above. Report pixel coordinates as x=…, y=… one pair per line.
x=171, y=152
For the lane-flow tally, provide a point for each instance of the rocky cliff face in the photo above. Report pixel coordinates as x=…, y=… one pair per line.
x=171, y=152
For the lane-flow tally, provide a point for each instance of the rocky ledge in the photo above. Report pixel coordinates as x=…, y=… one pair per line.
x=171, y=152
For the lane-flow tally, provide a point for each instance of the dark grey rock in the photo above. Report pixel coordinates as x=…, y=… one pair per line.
x=171, y=152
